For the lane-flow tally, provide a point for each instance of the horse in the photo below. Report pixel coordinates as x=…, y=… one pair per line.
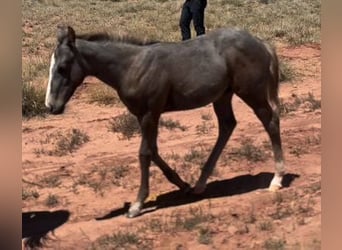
x=153, y=77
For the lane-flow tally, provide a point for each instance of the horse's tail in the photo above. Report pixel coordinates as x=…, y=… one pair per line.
x=273, y=84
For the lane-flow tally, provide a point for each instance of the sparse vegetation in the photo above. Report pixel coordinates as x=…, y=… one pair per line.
x=265, y=226
x=126, y=124
x=70, y=142
x=309, y=104
x=195, y=218
x=63, y=144
x=33, y=99
x=52, y=200
x=205, y=127
x=104, y=95
x=287, y=72
x=119, y=240
x=29, y=194
x=298, y=150
x=206, y=116
x=248, y=151
x=119, y=172
x=274, y=244
x=155, y=225
x=51, y=181
x=196, y=156
x=171, y=124
x=205, y=236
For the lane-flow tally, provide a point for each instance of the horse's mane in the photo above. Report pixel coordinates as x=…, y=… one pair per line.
x=105, y=37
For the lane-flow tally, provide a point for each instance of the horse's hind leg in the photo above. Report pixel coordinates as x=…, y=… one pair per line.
x=226, y=121
x=270, y=119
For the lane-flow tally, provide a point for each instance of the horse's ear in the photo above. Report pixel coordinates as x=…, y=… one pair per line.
x=65, y=34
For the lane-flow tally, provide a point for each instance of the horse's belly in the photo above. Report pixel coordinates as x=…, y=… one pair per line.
x=195, y=98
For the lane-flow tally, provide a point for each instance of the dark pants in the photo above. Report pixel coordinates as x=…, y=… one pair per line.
x=192, y=10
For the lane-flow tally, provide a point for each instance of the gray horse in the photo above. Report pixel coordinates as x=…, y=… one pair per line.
x=155, y=77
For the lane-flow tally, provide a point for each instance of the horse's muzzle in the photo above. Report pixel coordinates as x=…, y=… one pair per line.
x=55, y=110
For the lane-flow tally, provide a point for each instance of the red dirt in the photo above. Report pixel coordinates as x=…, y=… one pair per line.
x=240, y=218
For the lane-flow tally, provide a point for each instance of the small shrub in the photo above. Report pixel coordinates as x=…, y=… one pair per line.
x=70, y=142
x=120, y=171
x=51, y=181
x=104, y=96
x=171, y=124
x=197, y=216
x=52, y=200
x=298, y=150
x=126, y=124
x=249, y=151
x=118, y=240
x=28, y=194
x=196, y=156
x=205, y=236
x=309, y=102
x=33, y=101
x=207, y=116
x=274, y=244
x=265, y=226
x=285, y=108
x=155, y=225
x=287, y=73
x=204, y=128
x=314, y=103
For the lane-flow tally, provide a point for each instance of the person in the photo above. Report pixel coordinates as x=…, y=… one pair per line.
x=192, y=10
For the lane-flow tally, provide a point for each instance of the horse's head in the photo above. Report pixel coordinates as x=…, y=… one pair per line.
x=66, y=72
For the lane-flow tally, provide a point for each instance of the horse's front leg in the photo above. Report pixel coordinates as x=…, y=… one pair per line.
x=145, y=161
x=149, y=151
x=149, y=125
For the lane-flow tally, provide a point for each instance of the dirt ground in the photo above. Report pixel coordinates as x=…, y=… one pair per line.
x=95, y=183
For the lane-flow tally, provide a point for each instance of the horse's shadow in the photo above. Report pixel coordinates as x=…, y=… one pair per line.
x=237, y=185
x=37, y=224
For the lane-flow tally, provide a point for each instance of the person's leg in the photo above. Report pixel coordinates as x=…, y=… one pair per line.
x=197, y=10
x=185, y=20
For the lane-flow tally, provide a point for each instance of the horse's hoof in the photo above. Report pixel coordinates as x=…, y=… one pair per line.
x=132, y=214
x=134, y=211
x=274, y=188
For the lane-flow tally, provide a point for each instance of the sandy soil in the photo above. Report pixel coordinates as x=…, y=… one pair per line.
x=236, y=212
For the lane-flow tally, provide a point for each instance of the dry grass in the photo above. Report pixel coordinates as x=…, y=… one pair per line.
x=104, y=95
x=51, y=181
x=274, y=244
x=62, y=144
x=70, y=142
x=195, y=217
x=126, y=124
x=171, y=124
x=29, y=194
x=308, y=103
x=205, y=127
x=248, y=151
x=196, y=155
x=33, y=101
x=287, y=72
x=119, y=240
x=52, y=200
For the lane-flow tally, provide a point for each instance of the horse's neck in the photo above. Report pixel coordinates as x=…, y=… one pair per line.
x=108, y=61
